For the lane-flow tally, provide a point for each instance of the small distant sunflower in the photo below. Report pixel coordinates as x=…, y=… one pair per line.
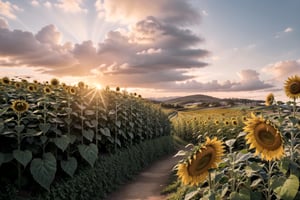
x=66, y=88
x=217, y=122
x=5, y=81
x=72, y=90
x=244, y=118
x=269, y=99
x=195, y=170
x=54, y=82
x=47, y=90
x=264, y=137
x=20, y=106
x=226, y=123
x=81, y=85
x=292, y=87
x=118, y=89
x=35, y=82
x=18, y=85
x=234, y=122
x=31, y=88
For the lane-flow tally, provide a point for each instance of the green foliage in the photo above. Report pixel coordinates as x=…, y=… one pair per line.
x=74, y=127
x=43, y=170
x=108, y=173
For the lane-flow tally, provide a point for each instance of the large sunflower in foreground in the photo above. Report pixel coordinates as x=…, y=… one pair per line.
x=264, y=137
x=195, y=170
x=269, y=99
x=20, y=106
x=292, y=87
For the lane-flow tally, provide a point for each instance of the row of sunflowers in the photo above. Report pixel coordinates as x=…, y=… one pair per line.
x=47, y=130
x=260, y=162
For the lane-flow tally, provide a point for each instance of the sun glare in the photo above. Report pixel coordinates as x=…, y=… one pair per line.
x=98, y=86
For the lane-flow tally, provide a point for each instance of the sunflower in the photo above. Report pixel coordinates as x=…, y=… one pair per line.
x=264, y=137
x=217, y=122
x=47, y=90
x=292, y=87
x=31, y=88
x=118, y=89
x=81, y=85
x=5, y=81
x=20, y=106
x=66, y=88
x=269, y=99
x=54, y=82
x=195, y=170
x=18, y=85
x=226, y=123
x=234, y=122
x=72, y=90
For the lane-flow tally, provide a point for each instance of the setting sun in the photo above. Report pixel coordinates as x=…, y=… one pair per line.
x=98, y=86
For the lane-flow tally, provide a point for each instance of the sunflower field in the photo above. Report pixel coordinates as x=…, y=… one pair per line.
x=48, y=130
x=241, y=155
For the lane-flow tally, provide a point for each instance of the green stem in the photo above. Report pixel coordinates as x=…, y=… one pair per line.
x=269, y=192
x=116, y=129
x=210, y=181
x=232, y=169
x=82, y=121
x=97, y=119
x=292, y=145
x=294, y=107
x=19, y=148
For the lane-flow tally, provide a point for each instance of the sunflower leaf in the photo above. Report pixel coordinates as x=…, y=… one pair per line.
x=289, y=189
x=43, y=170
x=88, y=134
x=23, y=157
x=62, y=142
x=69, y=166
x=88, y=153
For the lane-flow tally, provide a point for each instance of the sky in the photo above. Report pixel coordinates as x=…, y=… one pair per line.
x=157, y=48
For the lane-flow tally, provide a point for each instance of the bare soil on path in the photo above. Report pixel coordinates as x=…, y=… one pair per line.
x=149, y=183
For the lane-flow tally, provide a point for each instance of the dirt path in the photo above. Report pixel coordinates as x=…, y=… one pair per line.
x=149, y=183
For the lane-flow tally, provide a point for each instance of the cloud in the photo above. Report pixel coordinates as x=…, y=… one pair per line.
x=71, y=6
x=28, y=49
x=48, y=4
x=281, y=70
x=8, y=9
x=171, y=11
x=249, y=81
x=285, y=31
x=204, y=13
x=149, y=47
x=49, y=34
x=3, y=23
x=288, y=30
x=35, y=3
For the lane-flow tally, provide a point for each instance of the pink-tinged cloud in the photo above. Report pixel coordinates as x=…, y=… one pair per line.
x=171, y=11
x=3, y=24
x=281, y=70
x=35, y=3
x=71, y=6
x=249, y=81
x=8, y=9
